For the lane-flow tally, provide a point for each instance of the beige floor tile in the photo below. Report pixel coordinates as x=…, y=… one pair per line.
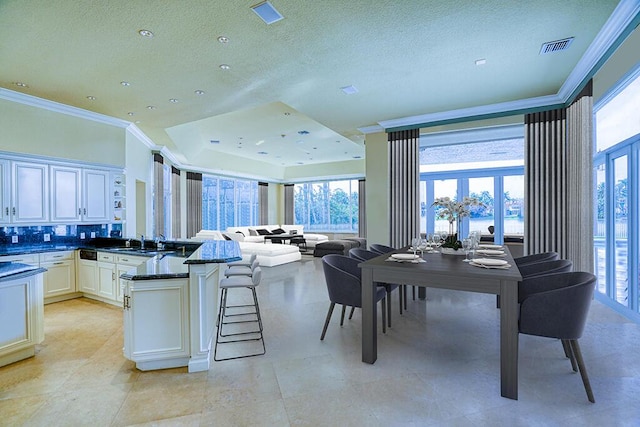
x=256, y=414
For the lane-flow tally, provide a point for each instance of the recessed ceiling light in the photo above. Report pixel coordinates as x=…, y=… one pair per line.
x=225, y=67
x=349, y=90
x=223, y=39
x=199, y=92
x=299, y=163
x=260, y=142
x=173, y=101
x=150, y=107
x=264, y=153
x=145, y=33
x=287, y=113
x=123, y=83
x=303, y=132
x=267, y=12
x=214, y=141
x=130, y=113
x=91, y=98
x=481, y=61
x=20, y=84
x=357, y=157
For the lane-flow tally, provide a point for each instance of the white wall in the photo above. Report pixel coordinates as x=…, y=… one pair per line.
x=626, y=57
x=139, y=164
x=377, y=189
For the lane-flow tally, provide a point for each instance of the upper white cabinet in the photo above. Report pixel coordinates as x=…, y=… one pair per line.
x=30, y=195
x=56, y=192
x=96, y=195
x=65, y=194
x=5, y=191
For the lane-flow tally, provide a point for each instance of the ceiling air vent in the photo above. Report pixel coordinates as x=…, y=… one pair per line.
x=556, y=46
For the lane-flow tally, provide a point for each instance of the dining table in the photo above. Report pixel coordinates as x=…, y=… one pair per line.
x=438, y=270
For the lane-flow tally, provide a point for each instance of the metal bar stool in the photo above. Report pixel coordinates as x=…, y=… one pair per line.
x=244, y=316
x=241, y=270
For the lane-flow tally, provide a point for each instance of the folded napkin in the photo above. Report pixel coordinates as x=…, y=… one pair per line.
x=492, y=267
x=414, y=261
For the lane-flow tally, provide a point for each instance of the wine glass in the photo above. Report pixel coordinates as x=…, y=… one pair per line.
x=423, y=245
x=415, y=242
x=435, y=239
x=466, y=247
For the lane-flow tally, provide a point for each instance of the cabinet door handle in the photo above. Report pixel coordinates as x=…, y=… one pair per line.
x=79, y=211
x=14, y=210
x=85, y=211
x=58, y=263
x=58, y=256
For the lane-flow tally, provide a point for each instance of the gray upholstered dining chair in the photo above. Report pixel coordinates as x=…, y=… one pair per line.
x=541, y=268
x=364, y=255
x=384, y=249
x=556, y=306
x=344, y=285
x=534, y=258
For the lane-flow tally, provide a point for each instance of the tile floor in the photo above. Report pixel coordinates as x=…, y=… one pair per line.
x=437, y=366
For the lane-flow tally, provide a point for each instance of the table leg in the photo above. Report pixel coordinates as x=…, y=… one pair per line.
x=369, y=317
x=509, y=339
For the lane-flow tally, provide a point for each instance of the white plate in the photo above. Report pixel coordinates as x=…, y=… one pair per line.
x=489, y=261
x=500, y=267
x=490, y=246
x=490, y=252
x=405, y=256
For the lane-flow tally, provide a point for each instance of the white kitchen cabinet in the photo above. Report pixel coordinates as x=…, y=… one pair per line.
x=65, y=194
x=87, y=276
x=30, y=193
x=125, y=263
x=106, y=275
x=5, y=191
x=156, y=323
x=96, y=196
x=21, y=317
x=60, y=277
x=31, y=259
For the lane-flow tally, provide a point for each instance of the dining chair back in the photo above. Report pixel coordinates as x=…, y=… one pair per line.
x=381, y=249
x=534, y=258
x=343, y=278
x=557, y=306
x=362, y=254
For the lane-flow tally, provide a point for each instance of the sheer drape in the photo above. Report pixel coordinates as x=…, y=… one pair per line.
x=288, y=204
x=404, y=180
x=558, y=181
x=158, y=195
x=194, y=203
x=263, y=202
x=362, y=213
x=175, y=203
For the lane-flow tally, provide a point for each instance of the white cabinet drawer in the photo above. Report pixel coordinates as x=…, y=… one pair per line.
x=106, y=257
x=23, y=259
x=56, y=256
x=131, y=260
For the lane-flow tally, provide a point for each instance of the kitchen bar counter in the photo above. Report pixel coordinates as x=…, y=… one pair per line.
x=182, y=331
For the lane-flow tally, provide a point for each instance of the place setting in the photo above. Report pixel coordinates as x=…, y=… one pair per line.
x=412, y=258
x=490, y=263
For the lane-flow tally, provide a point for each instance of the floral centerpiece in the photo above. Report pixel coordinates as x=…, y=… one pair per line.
x=453, y=211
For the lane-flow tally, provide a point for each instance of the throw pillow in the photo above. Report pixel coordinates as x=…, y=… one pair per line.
x=252, y=232
x=263, y=232
x=240, y=232
x=278, y=231
x=226, y=237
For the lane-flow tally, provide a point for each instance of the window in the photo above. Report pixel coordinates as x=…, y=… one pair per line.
x=228, y=202
x=327, y=206
x=616, y=199
x=487, y=164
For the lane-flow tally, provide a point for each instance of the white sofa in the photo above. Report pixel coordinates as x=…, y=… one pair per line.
x=268, y=254
x=251, y=235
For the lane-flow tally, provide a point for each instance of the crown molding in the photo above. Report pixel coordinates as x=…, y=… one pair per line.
x=623, y=15
x=371, y=129
x=480, y=111
x=57, y=107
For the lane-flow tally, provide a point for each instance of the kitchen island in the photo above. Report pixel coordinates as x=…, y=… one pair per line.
x=170, y=307
x=21, y=311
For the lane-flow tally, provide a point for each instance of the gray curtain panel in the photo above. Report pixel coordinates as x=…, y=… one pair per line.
x=194, y=203
x=558, y=174
x=404, y=180
x=362, y=213
x=175, y=203
x=158, y=195
x=263, y=202
x=288, y=204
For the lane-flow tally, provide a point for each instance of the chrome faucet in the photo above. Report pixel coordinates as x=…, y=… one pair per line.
x=142, y=241
x=159, y=244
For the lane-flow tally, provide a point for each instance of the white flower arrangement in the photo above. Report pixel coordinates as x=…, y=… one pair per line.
x=452, y=210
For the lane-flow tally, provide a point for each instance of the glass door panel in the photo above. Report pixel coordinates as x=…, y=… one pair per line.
x=443, y=188
x=482, y=217
x=600, y=229
x=513, y=205
x=620, y=212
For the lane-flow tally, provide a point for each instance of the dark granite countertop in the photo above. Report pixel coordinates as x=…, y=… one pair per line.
x=168, y=266
x=15, y=270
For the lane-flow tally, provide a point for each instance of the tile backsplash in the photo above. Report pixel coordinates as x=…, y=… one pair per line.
x=57, y=234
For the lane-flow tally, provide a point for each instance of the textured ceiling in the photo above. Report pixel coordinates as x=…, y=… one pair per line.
x=406, y=58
